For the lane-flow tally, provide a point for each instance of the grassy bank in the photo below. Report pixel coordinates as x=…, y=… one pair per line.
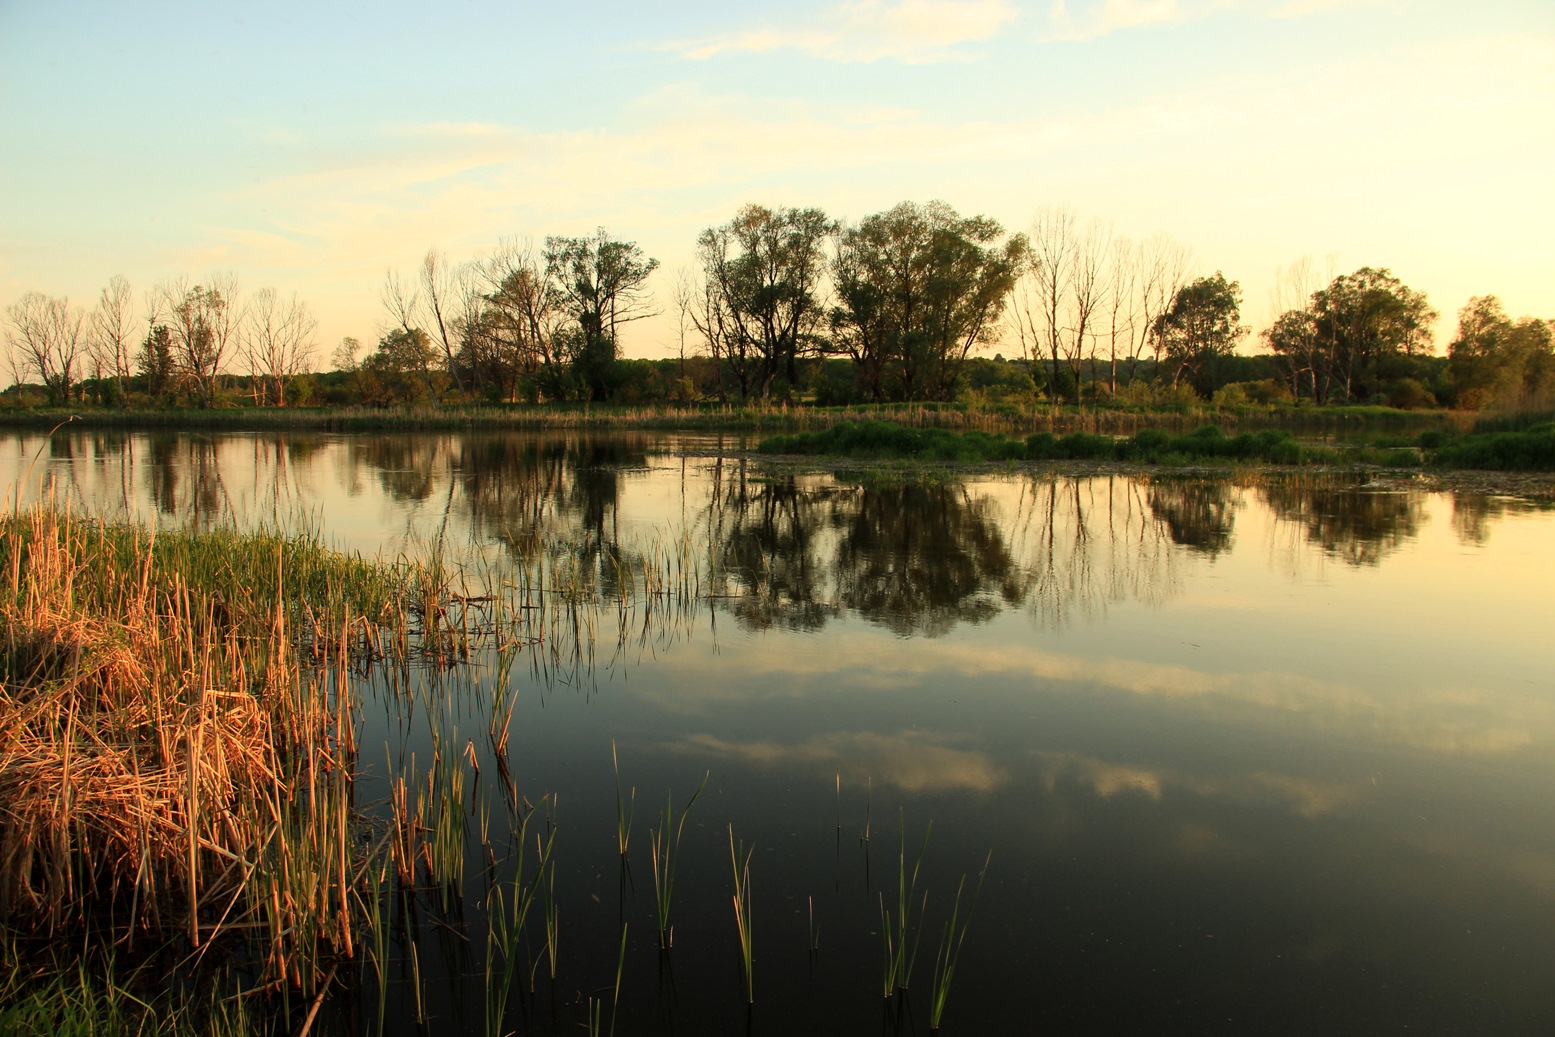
x=881, y=440
x=1529, y=450
x=774, y=417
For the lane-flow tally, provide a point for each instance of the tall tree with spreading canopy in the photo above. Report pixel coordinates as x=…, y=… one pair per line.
x=601, y=284
x=761, y=303
x=1496, y=361
x=919, y=287
x=1346, y=328
x=1202, y=324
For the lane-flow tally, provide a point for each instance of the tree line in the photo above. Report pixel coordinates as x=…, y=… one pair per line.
x=790, y=303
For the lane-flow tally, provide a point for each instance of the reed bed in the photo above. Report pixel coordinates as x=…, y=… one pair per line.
x=178, y=742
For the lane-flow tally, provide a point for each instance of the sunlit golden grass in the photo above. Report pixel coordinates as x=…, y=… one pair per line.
x=173, y=764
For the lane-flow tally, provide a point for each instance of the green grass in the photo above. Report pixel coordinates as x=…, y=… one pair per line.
x=873, y=440
x=1532, y=450
x=883, y=440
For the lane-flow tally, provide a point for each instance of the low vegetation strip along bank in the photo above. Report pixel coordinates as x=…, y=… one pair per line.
x=1530, y=450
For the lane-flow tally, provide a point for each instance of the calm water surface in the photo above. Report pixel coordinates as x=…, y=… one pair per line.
x=1251, y=755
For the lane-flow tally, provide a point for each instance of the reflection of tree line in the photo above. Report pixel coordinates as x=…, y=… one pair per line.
x=197, y=480
x=786, y=551
x=919, y=558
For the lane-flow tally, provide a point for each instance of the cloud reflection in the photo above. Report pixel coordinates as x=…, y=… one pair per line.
x=913, y=761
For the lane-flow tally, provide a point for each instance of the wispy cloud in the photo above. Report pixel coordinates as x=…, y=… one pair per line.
x=1091, y=20
x=1108, y=16
x=913, y=31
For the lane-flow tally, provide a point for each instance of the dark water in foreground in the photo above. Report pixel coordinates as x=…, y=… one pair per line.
x=1251, y=756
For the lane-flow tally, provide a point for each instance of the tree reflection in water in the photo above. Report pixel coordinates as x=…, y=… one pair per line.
x=1355, y=525
x=774, y=549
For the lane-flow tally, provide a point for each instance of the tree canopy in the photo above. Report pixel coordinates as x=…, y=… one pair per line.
x=918, y=287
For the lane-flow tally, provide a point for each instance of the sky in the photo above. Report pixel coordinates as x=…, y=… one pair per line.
x=312, y=147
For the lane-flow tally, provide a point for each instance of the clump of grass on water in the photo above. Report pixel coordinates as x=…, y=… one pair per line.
x=895, y=930
x=666, y=854
x=952, y=936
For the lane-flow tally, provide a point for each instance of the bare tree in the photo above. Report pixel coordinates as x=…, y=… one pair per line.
x=1121, y=309
x=447, y=293
x=47, y=338
x=685, y=292
x=522, y=316
x=203, y=322
x=277, y=341
x=112, y=337
x=1163, y=270
x=1061, y=291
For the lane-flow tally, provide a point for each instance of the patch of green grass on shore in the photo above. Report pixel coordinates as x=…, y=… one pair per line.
x=880, y=440
x=873, y=440
x=1532, y=450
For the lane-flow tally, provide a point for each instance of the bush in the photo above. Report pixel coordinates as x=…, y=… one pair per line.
x=1531, y=451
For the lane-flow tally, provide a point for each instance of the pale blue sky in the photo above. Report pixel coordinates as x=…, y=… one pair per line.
x=312, y=146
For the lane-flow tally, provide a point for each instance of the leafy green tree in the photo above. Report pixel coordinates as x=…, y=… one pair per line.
x=919, y=287
x=401, y=370
x=760, y=308
x=156, y=362
x=1496, y=361
x=1202, y=325
x=600, y=284
x=1351, y=336
x=1363, y=317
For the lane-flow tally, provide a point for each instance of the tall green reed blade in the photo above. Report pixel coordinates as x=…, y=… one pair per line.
x=666, y=853
x=506, y=914
x=740, y=859
x=624, y=810
x=950, y=941
x=900, y=955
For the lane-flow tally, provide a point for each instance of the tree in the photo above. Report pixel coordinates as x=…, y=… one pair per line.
x=203, y=321
x=920, y=286
x=1202, y=324
x=600, y=284
x=449, y=296
x=1495, y=361
x=46, y=339
x=516, y=336
x=1365, y=316
x=345, y=355
x=1061, y=293
x=761, y=306
x=155, y=362
x=277, y=341
x=401, y=369
x=111, y=337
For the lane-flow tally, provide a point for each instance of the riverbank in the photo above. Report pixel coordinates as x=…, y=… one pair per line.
x=1336, y=421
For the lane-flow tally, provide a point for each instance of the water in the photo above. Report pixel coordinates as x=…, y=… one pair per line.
x=1250, y=755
